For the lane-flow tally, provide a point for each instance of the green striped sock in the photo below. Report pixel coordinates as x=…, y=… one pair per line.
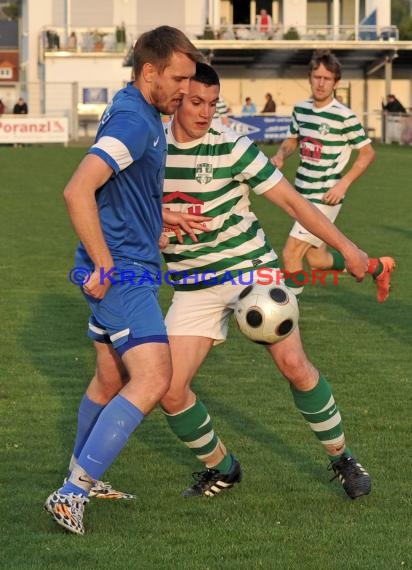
x=319, y=409
x=378, y=270
x=194, y=428
x=296, y=281
x=338, y=260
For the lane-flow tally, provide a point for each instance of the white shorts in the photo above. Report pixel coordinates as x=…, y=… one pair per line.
x=206, y=312
x=300, y=233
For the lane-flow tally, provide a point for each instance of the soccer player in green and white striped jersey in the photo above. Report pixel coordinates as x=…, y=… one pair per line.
x=210, y=170
x=222, y=111
x=326, y=131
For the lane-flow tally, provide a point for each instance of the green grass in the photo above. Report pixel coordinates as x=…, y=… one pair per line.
x=285, y=515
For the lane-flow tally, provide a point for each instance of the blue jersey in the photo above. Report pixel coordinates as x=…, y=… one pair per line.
x=130, y=139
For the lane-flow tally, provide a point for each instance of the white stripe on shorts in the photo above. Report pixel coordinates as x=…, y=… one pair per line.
x=97, y=330
x=120, y=334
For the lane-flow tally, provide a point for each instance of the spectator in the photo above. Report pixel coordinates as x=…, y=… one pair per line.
x=249, y=107
x=264, y=23
x=270, y=105
x=72, y=42
x=20, y=108
x=393, y=105
x=2, y=108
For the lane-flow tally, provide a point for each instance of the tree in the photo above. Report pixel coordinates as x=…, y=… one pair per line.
x=405, y=29
x=400, y=9
x=401, y=16
x=11, y=10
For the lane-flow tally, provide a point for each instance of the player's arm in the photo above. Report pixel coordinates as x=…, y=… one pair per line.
x=80, y=198
x=287, y=148
x=365, y=157
x=286, y=197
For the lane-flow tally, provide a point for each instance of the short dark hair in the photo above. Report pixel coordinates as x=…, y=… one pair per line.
x=329, y=60
x=158, y=46
x=206, y=74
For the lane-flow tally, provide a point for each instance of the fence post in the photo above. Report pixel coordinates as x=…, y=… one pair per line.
x=74, y=114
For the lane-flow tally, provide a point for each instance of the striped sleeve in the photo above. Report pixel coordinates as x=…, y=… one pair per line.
x=253, y=166
x=354, y=132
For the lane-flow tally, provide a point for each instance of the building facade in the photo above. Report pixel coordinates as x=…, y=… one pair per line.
x=73, y=54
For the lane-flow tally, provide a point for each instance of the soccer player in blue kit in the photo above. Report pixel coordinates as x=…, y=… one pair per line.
x=114, y=199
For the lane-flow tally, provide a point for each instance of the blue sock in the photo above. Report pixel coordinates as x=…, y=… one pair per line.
x=88, y=413
x=110, y=434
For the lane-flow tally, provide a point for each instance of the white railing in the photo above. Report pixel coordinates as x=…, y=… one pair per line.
x=110, y=40
x=307, y=33
x=85, y=40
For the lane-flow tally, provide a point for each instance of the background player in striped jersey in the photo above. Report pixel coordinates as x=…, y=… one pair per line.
x=325, y=131
x=222, y=111
x=210, y=170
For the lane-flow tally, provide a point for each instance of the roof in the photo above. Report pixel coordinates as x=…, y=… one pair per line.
x=281, y=55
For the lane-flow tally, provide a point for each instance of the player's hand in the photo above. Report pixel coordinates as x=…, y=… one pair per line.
x=277, y=161
x=357, y=263
x=95, y=287
x=179, y=222
x=335, y=195
x=163, y=241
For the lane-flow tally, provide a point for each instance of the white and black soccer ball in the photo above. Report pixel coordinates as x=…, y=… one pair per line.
x=266, y=313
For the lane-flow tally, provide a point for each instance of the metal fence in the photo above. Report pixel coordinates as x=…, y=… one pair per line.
x=397, y=128
x=82, y=104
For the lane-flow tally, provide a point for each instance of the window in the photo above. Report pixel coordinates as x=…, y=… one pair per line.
x=95, y=95
x=6, y=73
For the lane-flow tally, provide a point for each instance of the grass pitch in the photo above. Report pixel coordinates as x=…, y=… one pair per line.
x=285, y=515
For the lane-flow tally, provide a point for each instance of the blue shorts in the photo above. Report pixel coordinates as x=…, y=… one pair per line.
x=129, y=314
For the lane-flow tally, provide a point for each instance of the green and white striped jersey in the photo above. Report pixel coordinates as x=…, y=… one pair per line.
x=213, y=176
x=221, y=108
x=326, y=139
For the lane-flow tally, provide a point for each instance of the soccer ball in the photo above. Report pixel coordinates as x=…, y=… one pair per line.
x=266, y=313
